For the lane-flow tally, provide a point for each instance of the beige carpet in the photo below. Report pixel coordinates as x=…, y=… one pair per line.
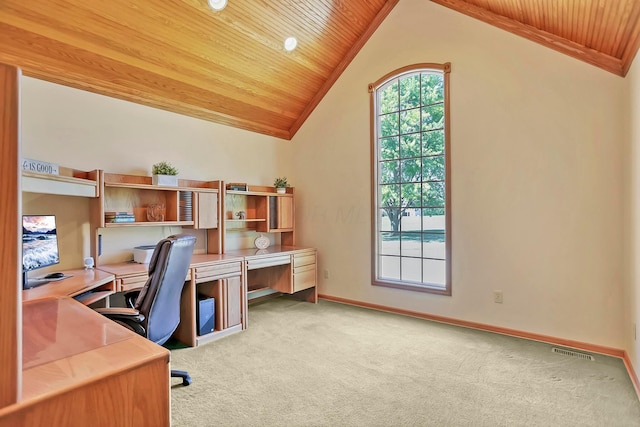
x=300, y=364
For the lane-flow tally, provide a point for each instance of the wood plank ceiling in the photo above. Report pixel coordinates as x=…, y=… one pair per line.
x=230, y=67
x=604, y=33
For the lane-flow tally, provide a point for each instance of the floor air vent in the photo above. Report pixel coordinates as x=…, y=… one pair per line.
x=573, y=354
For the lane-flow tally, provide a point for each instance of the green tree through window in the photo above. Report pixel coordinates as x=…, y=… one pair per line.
x=411, y=179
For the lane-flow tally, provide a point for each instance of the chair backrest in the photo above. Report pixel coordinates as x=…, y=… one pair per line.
x=159, y=299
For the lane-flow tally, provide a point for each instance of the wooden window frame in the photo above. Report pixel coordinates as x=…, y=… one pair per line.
x=445, y=69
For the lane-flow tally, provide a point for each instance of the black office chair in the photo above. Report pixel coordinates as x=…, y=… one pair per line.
x=155, y=309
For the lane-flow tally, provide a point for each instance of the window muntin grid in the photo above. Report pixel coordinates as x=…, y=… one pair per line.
x=411, y=232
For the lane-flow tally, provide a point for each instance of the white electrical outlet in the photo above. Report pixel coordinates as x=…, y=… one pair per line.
x=497, y=297
x=326, y=274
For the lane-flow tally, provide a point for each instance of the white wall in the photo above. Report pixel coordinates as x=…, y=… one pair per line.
x=85, y=131
x=536, y=178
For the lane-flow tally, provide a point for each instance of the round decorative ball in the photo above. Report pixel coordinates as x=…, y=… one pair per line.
x=262, y=242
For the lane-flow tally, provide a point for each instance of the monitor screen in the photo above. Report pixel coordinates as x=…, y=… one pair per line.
x=39, y=242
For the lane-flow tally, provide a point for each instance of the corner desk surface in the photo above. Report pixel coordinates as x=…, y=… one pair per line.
x=80, y=368
x=65, y=343
x=81, y=280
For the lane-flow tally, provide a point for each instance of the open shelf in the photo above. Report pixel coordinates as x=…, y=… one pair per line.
x=159, y=187
x=260, y=292
x=148, y=224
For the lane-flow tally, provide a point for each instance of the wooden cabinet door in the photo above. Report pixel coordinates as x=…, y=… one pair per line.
x=285, y=213
x=207, y=210
x=280, y=213
x=234, y=301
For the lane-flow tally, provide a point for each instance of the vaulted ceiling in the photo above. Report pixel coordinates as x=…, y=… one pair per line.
x=230, y=67
x=604, y=33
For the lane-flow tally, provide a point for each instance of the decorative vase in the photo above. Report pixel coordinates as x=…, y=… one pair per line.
x=281, y=190
x=166, y=180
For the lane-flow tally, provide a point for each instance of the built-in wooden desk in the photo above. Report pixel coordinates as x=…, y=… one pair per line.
x=80, y=368
x=209, y=276
x=86, y=285
x=286, y=269
x=231, y=279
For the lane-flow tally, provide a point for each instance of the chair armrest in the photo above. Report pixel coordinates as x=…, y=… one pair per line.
x=127, y=317
x=131, y=297
x=123, y=311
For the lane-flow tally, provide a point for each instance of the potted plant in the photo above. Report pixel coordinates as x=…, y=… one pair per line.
x=281, y=185
x=164, y=174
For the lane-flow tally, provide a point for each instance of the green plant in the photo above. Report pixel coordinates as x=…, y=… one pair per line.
x=281, y=182
x=164, y=168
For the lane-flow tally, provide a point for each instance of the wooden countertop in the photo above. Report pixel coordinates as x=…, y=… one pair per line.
x=128, y=269
x=81, y=281
x=125, y=269
x=270, y=251
x=200, y=259
x=66, y=344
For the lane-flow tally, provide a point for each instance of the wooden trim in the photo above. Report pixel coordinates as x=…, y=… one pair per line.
x=410, y=287
x=445, y=68
x=632, y=373
x=631, y=49
x=10, y=274
x=337, y=72
x=560, y=44
x=447, y=180
x=593, y=348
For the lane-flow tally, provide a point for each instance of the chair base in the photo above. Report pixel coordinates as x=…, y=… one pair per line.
x=186, y=378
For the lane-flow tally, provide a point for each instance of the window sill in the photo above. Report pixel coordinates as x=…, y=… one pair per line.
x=414, y=287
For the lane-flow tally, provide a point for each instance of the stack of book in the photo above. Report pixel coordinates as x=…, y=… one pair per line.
x=118, y=217
x=237, y=186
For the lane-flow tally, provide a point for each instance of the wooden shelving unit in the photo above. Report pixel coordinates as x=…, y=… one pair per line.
x=265, y=211
x=157, y=206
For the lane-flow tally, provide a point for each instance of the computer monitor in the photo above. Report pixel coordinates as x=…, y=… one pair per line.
x=39, y=245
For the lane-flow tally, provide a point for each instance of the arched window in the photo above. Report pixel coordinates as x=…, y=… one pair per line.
x=411, y=174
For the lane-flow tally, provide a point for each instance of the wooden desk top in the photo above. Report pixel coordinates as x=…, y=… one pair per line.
x=200, y=259
x=82, y=281
x=127, y=269
x=66, y=344
x=270, y=251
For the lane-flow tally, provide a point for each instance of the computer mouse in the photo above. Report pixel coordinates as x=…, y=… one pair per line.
x=54, y=275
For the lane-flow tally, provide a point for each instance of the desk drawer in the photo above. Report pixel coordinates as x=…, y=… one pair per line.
x=207, y=273
x=304, y=279
x=304, y=268
x=129, y=283
x=304, y=259
x=268, y=262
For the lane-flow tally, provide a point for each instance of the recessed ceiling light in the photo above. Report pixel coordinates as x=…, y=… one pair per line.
x=290, y=43
x=217, y=5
